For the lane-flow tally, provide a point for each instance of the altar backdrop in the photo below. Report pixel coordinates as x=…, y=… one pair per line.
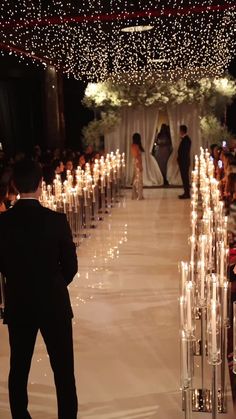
x=145, y=121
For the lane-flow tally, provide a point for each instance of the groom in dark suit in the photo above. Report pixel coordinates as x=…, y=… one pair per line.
x=38, y=259
x=184, y=160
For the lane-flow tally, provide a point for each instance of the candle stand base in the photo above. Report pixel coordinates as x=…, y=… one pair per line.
x=202, y=401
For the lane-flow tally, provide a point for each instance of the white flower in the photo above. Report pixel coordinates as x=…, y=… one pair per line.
x=91, y=89
x=225, y=86
x=165, y=99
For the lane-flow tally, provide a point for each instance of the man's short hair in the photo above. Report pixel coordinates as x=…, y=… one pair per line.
x=27, y=175
x=183, y=128
x=56, y=163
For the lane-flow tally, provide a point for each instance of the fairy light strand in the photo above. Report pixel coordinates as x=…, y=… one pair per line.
x=84, y=39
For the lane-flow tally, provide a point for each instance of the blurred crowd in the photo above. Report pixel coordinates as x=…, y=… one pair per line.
x=53, y=163
x=224, y=160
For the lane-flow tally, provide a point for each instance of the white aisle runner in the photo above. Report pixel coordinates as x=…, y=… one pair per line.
x=126, y=318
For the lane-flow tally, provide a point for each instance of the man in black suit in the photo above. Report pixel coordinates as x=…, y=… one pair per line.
x=38, y=259
x=184, y=160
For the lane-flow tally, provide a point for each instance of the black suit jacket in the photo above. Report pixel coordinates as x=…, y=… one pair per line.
x=184, y=151
x=38, y=259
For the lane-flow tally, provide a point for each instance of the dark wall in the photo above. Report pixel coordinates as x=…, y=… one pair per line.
x=76, y=115
x=231, y=111
x=21, y=105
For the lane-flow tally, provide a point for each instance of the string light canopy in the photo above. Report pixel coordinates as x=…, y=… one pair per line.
x=122, y=39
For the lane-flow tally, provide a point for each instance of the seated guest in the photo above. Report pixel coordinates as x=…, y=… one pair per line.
x=214, y=149
x=82, y=162
x=89, y=154
x=56, y=168
x=37, y=153
x=97, y=156
x=69, y=165
x=11, y=195
x=219, y=169
x=3, y=193
x=231, y=212
x=19, y=156
x=2, y=206
x=232, y=270
x=57, y=154
x=227, y=161
x=231, y=192
x=47, y=167
x=3, y=160
x=4, y=181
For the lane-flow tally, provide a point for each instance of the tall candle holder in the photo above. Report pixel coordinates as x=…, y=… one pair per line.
x=94, y=206
x=85, y=196
x=205, y=291
x=186, y=374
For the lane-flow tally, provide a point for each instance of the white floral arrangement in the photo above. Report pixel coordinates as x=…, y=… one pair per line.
x=212, y=94
x=93, y=132
x=213, y=132
x=108, y=94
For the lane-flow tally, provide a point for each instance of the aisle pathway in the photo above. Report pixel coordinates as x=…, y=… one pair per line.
x=126, y=317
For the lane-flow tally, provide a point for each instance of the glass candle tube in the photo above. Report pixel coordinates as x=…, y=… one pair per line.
x=184, y=273
x=189, y=314
x=185, y=361
x=212, y=288
x=214, y=332
x=226, y=303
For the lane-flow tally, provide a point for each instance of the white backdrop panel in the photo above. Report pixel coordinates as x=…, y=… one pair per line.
x=144, y=121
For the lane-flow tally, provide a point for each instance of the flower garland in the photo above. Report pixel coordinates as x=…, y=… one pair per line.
x=213, y=95
x=109, y=95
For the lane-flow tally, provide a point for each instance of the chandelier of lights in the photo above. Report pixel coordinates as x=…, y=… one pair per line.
x=122, y=39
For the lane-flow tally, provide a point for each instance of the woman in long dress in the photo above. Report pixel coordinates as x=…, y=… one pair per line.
x=136, y=151
x=163, y=150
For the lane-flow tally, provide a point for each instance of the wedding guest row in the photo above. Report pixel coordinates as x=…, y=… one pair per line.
x=224, y=160
x=53, y=162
